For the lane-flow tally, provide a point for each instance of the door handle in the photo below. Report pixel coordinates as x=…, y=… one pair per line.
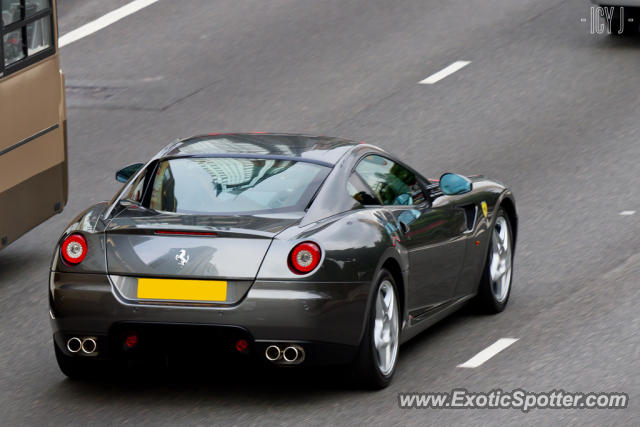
x=403, y=227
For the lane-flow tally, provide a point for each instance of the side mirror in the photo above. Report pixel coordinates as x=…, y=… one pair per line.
x=452, y=183
x=125, y=173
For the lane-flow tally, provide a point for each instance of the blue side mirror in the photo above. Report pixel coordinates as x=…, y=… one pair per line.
x=452, y=183
x=125, y=173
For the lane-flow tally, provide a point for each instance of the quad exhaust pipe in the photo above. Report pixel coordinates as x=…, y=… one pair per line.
x=272, y=353
x=74, y=344
x=87, y=345
x=291, y=354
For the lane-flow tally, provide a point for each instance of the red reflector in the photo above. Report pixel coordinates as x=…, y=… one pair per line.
x=74, y=249
x=186, y=233
x=304, y=258
x=242, y=345
x=131, y=341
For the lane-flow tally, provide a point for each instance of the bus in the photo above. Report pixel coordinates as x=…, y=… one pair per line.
x=33, y=125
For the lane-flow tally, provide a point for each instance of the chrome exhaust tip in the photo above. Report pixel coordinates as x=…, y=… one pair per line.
x=290, y=354
x=293, y=354
x=89, y=345
x=272, y=353
x=74, y=344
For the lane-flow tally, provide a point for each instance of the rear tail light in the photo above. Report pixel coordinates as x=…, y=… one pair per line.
x=304, y=258
x=74, y=249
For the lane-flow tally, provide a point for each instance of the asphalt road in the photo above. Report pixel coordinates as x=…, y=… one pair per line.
x=544, y=106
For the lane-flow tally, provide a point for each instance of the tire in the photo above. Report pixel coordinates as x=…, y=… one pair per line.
x=81, y=368
x=495, y=285
x=370, y=371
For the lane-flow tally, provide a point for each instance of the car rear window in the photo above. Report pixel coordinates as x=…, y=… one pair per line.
x=234, y=185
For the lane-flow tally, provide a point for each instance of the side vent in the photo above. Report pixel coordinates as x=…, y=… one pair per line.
x=470, y=212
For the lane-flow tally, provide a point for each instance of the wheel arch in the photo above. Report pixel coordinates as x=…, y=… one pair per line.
x=393, y=267
x=509, y=207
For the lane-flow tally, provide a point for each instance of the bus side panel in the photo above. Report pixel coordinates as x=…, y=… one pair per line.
x=33, y=175
x=20, y=211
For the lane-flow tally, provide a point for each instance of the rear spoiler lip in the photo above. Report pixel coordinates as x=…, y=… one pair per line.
x=193, y=232
x=185, y=233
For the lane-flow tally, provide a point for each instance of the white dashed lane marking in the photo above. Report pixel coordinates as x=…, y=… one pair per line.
x=434, y=78
x=103, y=21
x=488, y=353
x=627, y=213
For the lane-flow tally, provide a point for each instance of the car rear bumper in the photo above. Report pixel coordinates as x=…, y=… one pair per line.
x=326, y=318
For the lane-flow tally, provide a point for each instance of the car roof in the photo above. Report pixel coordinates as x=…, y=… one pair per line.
x=306, y=147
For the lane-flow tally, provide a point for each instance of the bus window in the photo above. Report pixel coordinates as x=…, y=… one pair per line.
x=38, y=16
x=38, y=35
x=13, y=51
x=35, y=6
x=10, y=11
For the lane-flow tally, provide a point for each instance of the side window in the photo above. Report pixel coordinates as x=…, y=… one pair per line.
x=135, y=193
x=357, y=189
x=163, y=197
x=26, y=29
x=393, y=183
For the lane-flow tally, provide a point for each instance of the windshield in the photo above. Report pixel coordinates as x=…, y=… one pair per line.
x=234, y=185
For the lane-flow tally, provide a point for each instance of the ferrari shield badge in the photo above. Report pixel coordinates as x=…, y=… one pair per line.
x=484, y=208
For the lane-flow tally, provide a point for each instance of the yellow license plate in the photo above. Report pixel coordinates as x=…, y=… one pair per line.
x=182, y=290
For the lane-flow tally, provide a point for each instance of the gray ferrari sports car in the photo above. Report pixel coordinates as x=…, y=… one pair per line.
x=289, y=249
